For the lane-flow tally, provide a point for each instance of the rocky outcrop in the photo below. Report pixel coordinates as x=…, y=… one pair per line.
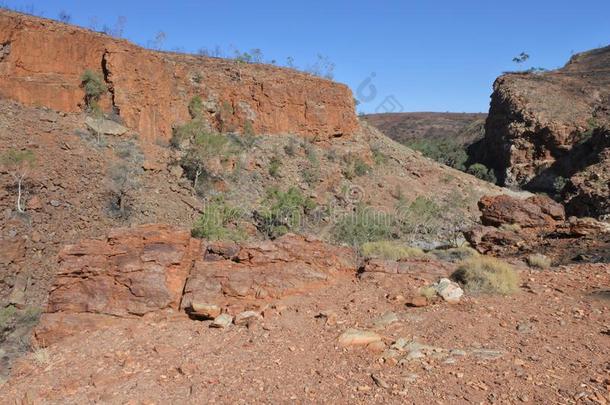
x=548, y=129
x=534, y=212
x=511, y=225
x=132, y=271
x=150, y=269
x=41, y=62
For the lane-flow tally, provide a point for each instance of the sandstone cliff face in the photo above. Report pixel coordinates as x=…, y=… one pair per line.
x=41, y=62
x=545, y=126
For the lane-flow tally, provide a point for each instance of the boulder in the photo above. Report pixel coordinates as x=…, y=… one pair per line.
x=448, y=290
x=104, y=126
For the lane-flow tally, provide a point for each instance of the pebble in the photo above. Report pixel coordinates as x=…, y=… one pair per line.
x=222, y=321
x=356, y=337
x=209, y=311
x=244, y=318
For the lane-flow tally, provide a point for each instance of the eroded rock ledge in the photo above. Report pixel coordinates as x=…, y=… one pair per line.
x=134, y=272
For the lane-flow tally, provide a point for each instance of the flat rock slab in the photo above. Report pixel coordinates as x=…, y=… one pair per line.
x=289, y=265
x=104, y=126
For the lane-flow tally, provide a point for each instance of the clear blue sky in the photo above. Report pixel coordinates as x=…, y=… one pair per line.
x=429, y=55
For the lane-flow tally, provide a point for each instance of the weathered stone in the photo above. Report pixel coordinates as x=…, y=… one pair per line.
x=104, y=126
x=222, y=321
x=355, y=337
x=209, y=311
x=262, y=270
x=418, y=301
x=243, y=318
x=132, y=272
x=534, y=212
x=449, y=290
x=588, y=227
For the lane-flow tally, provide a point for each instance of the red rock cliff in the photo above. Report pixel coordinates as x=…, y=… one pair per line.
x=41, y=62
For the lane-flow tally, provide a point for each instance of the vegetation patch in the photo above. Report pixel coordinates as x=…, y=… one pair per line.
x=482, y=172
x=539, y=261
x=484, y=274
x=219, y=221
x=286, y=211
x=453, y=255
x=390, y=250
x=364, y=225
x=94, y=86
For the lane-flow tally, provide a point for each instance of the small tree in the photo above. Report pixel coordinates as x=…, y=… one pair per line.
x=94, y=87
x=19, y=164
x=121, y=181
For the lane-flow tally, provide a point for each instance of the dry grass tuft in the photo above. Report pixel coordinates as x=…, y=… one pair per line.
x=388, y=250
x=539, y=261
x=455, y=254
x=485, y=274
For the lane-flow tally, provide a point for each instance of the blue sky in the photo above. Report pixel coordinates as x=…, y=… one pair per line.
x=420, y=55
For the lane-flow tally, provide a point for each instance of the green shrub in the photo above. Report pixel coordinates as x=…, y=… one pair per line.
x=196, y=107
x=422, y=216
x=485, y=274
x=218, y=221
x=286, y=211
x=360, y=167
x=311, y=175
x=482, y=172
x=291, y=147
x=94, y=87
x=364, y=225
x=445, y=151
x=539, y=261
x=390, y=250
x=274, y=165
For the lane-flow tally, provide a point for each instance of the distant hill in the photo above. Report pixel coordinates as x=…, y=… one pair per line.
x=464, y=128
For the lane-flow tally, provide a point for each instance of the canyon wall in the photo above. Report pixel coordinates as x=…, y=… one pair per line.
x=41, y=63
x=550, y=131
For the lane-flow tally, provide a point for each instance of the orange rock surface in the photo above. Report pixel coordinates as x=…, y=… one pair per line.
x=41, y=62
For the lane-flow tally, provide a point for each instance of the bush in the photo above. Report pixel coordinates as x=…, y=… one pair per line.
x=364, y=225
x=482, y=172
x=94, y=87
x=445, y=151
x=390, y=250
x=285, y=212
x=121, y=180
x=421, y=216
x=379, y=157
x=487, y=275
x=218, y=221
x=539, y=261
x=455, y=254
x=196, y=107
x=361, y=168
x=274, y=165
